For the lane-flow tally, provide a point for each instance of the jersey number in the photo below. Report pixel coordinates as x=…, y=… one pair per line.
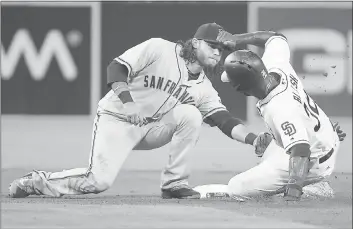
x=312, y=111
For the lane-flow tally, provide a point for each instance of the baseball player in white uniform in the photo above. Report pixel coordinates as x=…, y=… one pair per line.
x=305, y=143
x=159, y=94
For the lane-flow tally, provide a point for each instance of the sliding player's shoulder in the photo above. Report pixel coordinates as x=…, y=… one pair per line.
x=277, y=39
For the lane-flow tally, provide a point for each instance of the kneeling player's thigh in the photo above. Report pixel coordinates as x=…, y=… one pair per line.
x=183, y=120
x=156, y=137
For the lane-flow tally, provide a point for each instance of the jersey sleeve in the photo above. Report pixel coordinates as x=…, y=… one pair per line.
x=210, y=103
x=276, y=50
x=290, y=129
x=141, y=55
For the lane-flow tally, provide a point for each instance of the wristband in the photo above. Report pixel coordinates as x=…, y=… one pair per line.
x=250, y=138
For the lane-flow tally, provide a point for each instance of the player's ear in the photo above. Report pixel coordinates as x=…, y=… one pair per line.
x=195, y=43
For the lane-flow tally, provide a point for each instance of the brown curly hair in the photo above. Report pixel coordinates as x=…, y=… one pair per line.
x=188, y=53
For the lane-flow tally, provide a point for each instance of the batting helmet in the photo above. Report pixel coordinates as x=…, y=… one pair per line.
x=245, y=71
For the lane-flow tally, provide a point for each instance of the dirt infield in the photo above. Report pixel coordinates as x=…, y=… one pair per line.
x=134, y=202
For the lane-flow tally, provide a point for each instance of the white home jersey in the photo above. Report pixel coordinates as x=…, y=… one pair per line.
x=289, y=112
x=158, y=81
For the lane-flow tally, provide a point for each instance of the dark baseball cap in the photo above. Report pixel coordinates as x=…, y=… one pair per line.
x=208, y=32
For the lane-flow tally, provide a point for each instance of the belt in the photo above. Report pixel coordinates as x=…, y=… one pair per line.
x=326, y=157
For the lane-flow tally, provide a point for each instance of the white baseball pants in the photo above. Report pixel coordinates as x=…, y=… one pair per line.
x=113, y=140
x=271, y=174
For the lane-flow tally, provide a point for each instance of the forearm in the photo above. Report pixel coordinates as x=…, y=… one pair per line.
x=232, y=127
x=243, y=135
x=258, y=38
x=117, y=75
x=298, y=169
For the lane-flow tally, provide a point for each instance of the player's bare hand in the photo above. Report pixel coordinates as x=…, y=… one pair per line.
x=133, y=114
x=340, y=133
x=261, y=143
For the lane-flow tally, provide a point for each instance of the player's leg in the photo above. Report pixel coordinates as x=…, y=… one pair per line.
x=323, y=167
x=267, y=178
x=112, y=141
x=181, y=127
x=271, y=175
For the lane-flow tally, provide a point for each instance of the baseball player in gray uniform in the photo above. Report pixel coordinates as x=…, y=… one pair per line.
x=159, y=94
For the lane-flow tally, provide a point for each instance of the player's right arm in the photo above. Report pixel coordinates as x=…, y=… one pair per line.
x=126, y=66
x=258, y=38
x=275, y=44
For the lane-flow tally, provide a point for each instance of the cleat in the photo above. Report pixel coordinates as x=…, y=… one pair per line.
x=317, y=190
x=180, y=192
x=22, y=187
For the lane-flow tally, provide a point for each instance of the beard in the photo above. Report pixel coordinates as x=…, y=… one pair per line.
x=215, y=71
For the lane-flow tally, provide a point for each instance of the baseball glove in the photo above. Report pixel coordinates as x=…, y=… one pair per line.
x=261, y=143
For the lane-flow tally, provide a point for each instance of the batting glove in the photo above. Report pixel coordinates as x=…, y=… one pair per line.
x=227, y=39
x=261, y=142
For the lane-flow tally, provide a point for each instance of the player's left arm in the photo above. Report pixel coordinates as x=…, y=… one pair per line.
x=231, y=126
x=295, y=141
x=216, y=114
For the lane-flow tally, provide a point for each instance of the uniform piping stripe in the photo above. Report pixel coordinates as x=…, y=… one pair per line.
x=176, y=55
x=213, y=111
x=125, y=63
x=296, y=142
x=72, y=176
x=273, y=37
x=93, y=144
x=91, y=157
x=278, y=92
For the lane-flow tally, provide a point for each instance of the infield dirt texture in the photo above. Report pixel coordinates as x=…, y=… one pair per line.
x=134, y=202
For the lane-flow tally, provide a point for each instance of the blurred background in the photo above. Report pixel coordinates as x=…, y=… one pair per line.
x=53, y=72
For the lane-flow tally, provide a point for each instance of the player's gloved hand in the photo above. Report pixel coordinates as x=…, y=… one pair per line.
x=340, y=133
x=133, y=114
x=261, y=143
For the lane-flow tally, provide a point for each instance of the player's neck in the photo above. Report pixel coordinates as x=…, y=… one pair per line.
x=194, y=68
